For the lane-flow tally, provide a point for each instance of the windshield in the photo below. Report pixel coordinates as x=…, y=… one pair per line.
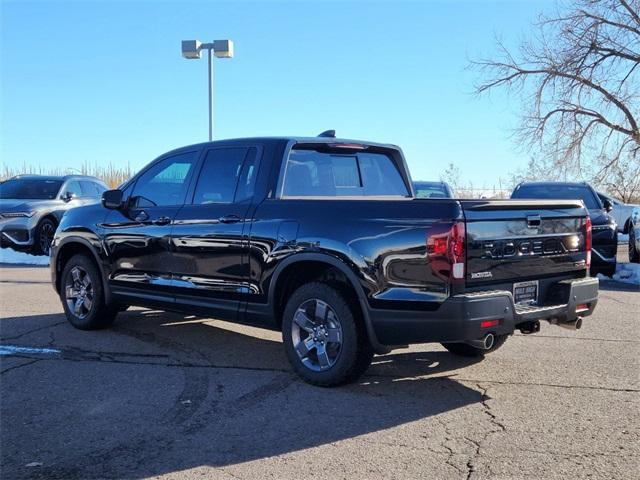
x=30, y=189
x=430, y=190
x=558, y=192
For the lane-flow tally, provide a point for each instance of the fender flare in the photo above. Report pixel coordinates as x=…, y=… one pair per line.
x=86, y=243
x=351, y=278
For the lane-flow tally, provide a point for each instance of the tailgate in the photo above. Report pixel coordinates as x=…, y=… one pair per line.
x=515, y=240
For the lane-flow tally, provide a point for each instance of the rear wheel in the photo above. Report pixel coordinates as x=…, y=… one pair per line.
x=466, y=350
x=324, y=339
x=44, y=236
x=634, y=255
x=82, y=295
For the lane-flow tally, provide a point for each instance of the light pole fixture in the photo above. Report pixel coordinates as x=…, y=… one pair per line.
x=192, y=49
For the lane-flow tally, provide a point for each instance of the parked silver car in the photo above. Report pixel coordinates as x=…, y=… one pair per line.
x=31, y=207
x=634, y=236
x=620, y=211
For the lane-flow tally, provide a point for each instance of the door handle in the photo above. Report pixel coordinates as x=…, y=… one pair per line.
x=229, y=219
x=162, y=221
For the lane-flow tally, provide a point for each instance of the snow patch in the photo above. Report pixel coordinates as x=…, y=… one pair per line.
x=7, y=255
x=626, y=273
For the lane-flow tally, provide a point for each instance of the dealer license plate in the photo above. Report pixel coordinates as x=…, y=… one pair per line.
x=525, y=292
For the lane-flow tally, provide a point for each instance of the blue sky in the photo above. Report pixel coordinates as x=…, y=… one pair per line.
x=104, y=82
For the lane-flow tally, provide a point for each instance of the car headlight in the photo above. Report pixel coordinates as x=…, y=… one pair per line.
x=17, y=214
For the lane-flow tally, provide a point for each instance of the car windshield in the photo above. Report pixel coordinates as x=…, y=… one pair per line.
x=558, y=192
x=30, y=189
x=430, y=190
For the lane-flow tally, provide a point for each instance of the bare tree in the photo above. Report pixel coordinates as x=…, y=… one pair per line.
x=580, y=80
x=622, y=180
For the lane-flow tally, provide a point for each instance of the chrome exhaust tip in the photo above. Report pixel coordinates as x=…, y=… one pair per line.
x=575, y=325
x=484, y=343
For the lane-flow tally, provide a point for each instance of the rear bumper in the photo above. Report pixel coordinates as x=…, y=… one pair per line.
x=459, y=318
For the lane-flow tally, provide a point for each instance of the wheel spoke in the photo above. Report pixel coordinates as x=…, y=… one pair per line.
x=71, y=292
x=86, y=281
x=77, y=307
x=303, y=321
x=320, y=312
x=88, y=303
x=304, y=347
x=323, y=357
x=333, y=335
x=75, y=273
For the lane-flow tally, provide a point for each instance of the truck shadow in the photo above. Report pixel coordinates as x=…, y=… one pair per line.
x=219, y=397
x=614, y=286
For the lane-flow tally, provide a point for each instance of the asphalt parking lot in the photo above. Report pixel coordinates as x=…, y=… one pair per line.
x=168, y=396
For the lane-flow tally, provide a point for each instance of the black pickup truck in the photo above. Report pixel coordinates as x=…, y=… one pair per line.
x=323, y=239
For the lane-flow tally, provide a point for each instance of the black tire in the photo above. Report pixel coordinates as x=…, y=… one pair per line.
x=466, y=350
x=608, y=271
x=43, y=236
x=634, y=254
x=354, y=354
x=91, y=315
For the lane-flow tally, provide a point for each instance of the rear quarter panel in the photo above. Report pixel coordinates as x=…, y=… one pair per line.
x=383, y=242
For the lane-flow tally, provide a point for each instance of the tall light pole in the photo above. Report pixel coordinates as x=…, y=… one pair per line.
x=192, y=49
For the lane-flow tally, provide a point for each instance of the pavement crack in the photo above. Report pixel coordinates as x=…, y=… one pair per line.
x=51, y=325
x=487, y=409
x=493, y=419
x=15, y=367
x=451, y=453
x=551, y=385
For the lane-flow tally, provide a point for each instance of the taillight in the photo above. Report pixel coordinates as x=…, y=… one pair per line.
x=587, y=239
x=446, y=251
x=456, y=250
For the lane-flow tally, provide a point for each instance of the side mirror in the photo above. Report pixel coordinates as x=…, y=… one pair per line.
x=112, y=199
x=608, y=206
x=68, y=196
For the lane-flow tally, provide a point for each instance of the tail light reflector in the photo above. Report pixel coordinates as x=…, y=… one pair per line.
x=582, y=307
x=489, y=323
x=587, y=239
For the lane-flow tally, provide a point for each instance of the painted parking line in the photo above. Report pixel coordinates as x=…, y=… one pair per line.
x=16, y=350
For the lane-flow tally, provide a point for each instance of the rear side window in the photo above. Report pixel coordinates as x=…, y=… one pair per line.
x=311, y=173
x=91, y=189
x=166, y=182
x=558, y=192
x=228, y=175
x=73, y=187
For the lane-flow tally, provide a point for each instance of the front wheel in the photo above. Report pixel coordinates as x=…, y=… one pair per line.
x=634, y=255
x=44, y=236
x=466, y=350
x=82, y=295
x=324, y=338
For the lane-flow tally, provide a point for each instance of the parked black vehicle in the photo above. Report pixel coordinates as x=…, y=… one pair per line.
x=31, y=207
x=605, y=229
x=324, y=240
x=424, y=189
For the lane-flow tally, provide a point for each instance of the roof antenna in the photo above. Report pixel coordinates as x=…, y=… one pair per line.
x=328, y=133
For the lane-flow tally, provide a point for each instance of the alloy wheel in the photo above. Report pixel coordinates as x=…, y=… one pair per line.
x=316, y=334
x=46, y=237
x=79, y=292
